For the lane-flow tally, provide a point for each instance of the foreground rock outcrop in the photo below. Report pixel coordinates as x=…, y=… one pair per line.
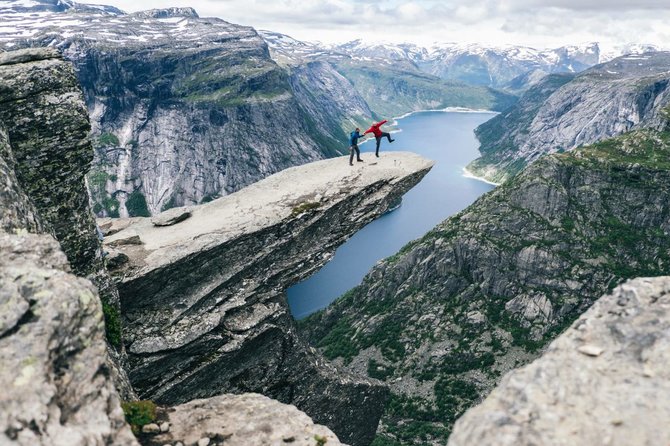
x=203, y=300
x=486, y=290
x=604, y=381
x=48, y=154
x=242, y=420
x=566, y=111
x=54, y=374
x=57, y=380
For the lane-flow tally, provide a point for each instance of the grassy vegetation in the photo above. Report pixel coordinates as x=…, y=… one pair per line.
x=136, y=205
x=304, y=207
x=391, y=91
x=108, y=140
x=604, y=223
x=139, y=413
x=111, y=206
x=112, y=323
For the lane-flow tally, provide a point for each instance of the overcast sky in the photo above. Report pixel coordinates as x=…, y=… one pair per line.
x=537, y=23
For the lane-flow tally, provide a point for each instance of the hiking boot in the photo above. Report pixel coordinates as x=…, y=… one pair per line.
x=351, y=164
x=360, y=161
x=391, y=140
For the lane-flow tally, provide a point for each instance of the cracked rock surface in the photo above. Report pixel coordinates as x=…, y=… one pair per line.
x=604, y=381
x=55, y=380
x=242, y=420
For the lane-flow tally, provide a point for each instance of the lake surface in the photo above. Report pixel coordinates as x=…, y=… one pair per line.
x=445, y=137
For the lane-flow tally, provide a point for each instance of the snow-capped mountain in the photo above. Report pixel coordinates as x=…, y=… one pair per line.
x=35, y=7
x=472, y=64
x=179, y=105
x=608, y=54
x=477, y=64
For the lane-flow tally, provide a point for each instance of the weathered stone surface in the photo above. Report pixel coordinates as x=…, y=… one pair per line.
x=243, y=420
x=618, y=396
x=171, y=216
x=204, y=301
x=55, y=381
x=110, y=226
x=530, y=257
x=127, y=239
x=47, y=123
x=28, y=55
x=17, y=212
x=563, y=112
x=48, y=150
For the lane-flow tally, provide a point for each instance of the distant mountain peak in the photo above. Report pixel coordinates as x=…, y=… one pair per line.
x=35, y=6
x=166, y=13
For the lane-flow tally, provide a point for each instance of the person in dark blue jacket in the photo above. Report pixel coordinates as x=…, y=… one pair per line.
x=353, y=146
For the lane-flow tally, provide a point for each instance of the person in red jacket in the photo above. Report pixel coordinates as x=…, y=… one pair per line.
x=375, y=130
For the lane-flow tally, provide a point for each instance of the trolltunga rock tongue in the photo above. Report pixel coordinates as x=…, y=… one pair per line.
x=204, y=303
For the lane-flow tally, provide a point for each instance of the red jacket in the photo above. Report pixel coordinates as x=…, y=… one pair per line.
x=374, y=129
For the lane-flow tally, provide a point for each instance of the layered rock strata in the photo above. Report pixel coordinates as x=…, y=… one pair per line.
x=203, y=300
x=604, y=381
x=184, y=109
x=56, y=381
x=57, y=387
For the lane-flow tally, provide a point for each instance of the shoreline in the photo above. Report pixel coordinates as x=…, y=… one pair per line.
x=445, y=110
x=468, y=174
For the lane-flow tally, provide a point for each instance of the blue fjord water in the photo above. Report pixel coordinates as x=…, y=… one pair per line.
x=445, y=137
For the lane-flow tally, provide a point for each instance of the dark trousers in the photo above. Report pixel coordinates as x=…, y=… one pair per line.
x=351, y=151
x=379, y=140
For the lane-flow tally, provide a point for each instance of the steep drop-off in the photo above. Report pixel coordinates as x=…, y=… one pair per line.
x=49, y=153
x=560, y=113
x=484, y=291
x=203, y=300
x=55, y=374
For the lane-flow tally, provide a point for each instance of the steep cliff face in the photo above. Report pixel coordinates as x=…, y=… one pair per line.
x=393, y=90
x=604, y=381
x=57, y=385
x=485, y=290
x=204, y=303
x=325, y=93
x=49, y=154
x=183, y=109
x=560, y=113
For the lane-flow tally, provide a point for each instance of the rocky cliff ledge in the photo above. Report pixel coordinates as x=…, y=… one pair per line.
x=203, y=301
x=604, y=381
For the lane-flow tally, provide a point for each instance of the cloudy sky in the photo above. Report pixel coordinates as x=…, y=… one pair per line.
x=538, y=23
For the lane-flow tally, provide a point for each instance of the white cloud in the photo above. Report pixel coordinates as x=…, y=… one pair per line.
x=538, y=23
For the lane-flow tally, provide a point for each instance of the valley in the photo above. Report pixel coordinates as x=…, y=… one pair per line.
x=189, y=259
